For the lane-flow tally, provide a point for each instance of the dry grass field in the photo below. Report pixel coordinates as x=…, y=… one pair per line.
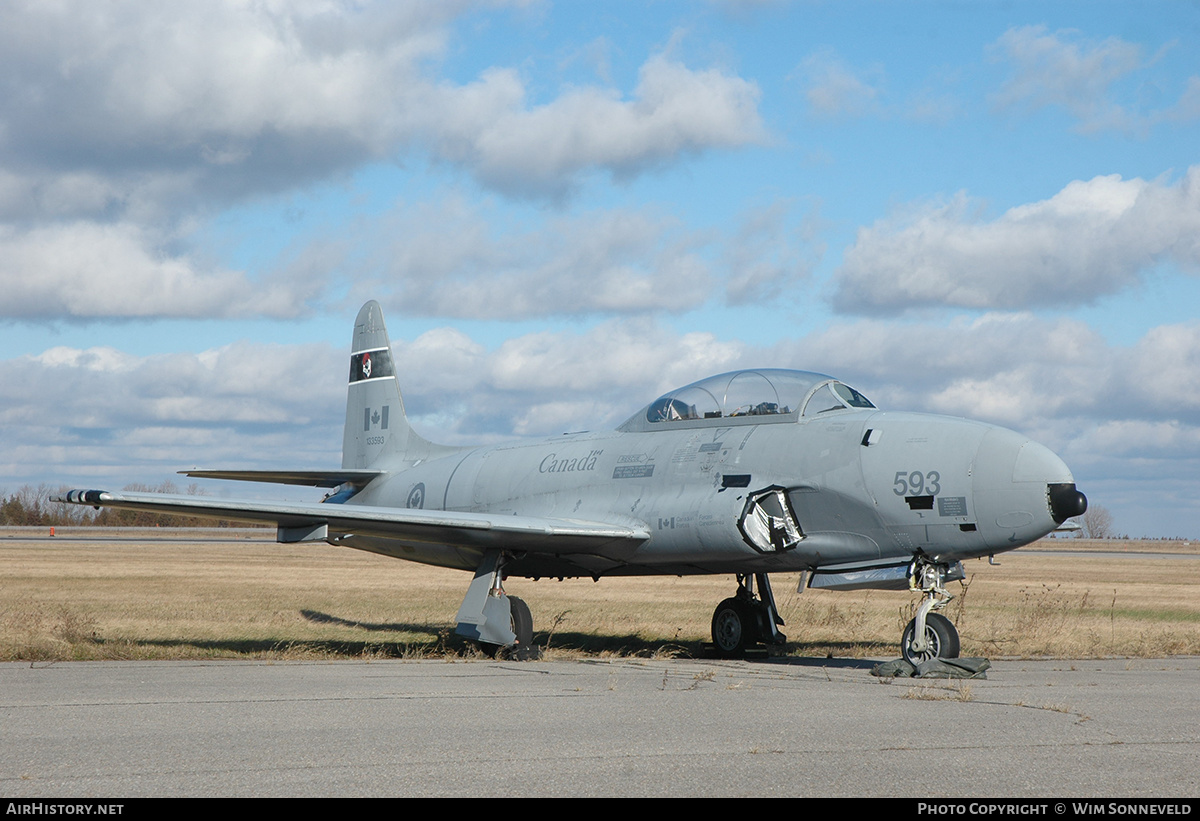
x=234, y=594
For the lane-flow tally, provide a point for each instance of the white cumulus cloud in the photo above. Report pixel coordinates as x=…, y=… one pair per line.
x=542, y=150
x=85, y=270
x=1093, y=238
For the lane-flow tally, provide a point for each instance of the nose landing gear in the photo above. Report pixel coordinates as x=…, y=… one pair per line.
x=930, y=635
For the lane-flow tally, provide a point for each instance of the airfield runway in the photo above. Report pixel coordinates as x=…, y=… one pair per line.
x=628, y=727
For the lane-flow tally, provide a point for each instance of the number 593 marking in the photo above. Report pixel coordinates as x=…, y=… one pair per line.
x=916, y=483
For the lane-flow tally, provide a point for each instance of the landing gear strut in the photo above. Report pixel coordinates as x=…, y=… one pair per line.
x=930, y=635
x=746, y=619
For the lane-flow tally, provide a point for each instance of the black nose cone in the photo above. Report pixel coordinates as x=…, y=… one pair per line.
x=1065, y=501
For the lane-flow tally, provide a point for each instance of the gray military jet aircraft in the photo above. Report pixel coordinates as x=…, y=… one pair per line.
x=745, y=473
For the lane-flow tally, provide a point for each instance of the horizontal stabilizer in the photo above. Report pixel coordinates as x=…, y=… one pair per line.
x=308, y=478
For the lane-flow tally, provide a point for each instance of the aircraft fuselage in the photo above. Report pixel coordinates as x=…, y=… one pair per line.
x=862, y=486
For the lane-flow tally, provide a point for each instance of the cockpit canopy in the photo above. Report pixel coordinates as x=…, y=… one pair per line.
x=764, y=395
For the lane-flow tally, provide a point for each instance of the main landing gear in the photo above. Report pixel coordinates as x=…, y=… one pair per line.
x=930, y=635
x=499, y=623
x=746, y=619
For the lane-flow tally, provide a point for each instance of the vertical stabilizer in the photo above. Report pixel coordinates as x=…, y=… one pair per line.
x=376, y=426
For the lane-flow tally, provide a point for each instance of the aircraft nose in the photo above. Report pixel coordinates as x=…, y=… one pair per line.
x=1023, y=490
x=1037, y=463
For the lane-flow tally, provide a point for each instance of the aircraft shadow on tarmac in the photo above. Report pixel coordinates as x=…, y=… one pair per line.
x=317, y=617
x=442, y=641
x=812, y=654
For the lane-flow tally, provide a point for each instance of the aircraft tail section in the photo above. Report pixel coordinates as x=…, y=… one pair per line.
x=377, y=432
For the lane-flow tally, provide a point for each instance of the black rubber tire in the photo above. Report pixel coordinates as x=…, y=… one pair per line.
x=733, y=628
x=522, y=622
x=942, y=637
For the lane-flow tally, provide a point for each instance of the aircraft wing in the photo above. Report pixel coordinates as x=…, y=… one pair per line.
x=314, y=521
x=310, y=478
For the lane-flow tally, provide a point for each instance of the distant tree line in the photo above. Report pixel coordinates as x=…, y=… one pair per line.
x=1097, y=523
x=31, y=507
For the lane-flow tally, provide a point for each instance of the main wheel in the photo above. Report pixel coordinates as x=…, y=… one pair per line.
x=940, y=634
x=733, y=628
x=521, y=623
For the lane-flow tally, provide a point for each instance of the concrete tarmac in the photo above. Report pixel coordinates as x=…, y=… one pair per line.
x=628, y=727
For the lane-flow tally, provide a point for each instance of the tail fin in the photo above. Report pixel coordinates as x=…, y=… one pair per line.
x=377, y=431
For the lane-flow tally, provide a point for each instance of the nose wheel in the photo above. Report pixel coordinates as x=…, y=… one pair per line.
x=941, y=640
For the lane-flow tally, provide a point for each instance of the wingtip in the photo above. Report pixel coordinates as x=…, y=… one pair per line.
x=83, y=497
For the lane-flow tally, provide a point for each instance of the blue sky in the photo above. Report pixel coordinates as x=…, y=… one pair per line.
x=988, y=210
